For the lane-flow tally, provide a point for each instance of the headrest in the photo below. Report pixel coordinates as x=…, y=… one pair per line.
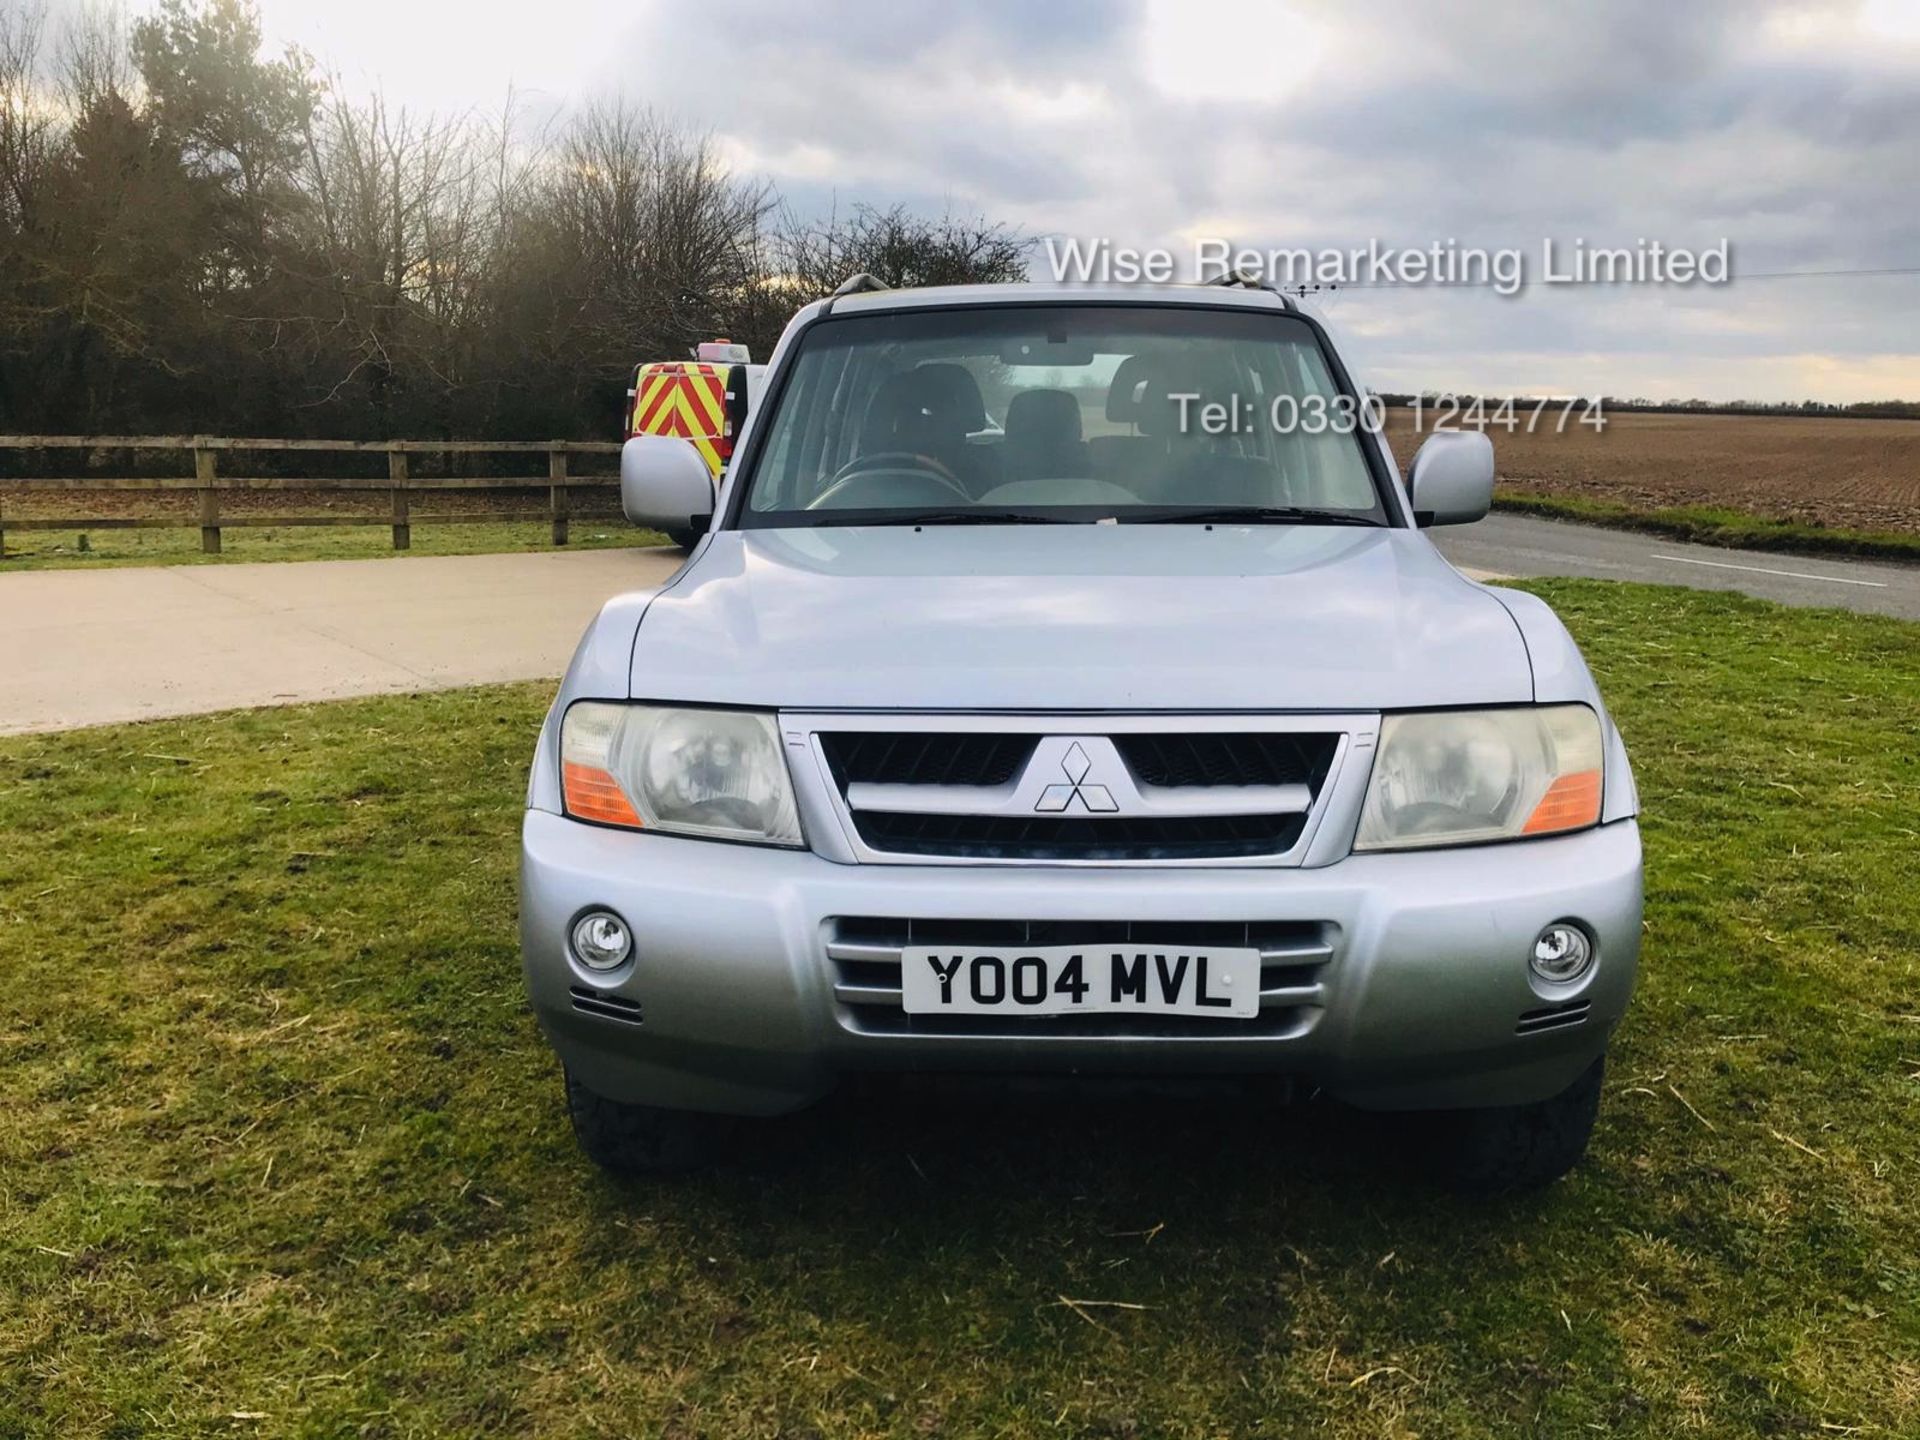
x=1144, y=387
x=950, y=394
x=1047, y=417
x=1125, y=393
x=929, y=403
x=1142, y=394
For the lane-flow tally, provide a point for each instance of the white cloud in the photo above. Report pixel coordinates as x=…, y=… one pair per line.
x=1232, y=50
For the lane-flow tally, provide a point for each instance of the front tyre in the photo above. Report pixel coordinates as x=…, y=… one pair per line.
x=1521, y=1147
x=640, y=1139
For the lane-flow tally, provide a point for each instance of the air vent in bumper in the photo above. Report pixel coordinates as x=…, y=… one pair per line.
x=1552, y=1017
x=605, y=1005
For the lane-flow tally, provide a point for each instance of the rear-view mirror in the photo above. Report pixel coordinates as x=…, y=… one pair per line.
x=1046, y=350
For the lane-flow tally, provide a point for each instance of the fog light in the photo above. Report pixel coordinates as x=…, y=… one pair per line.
x=1562, y=953
x=601, y=940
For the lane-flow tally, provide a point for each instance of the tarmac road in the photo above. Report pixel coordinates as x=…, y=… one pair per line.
x=1523, y=545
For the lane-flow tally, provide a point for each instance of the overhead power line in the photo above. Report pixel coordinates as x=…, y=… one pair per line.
x=1316, y=287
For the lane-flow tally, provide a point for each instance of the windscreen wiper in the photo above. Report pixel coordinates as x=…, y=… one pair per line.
x=1252, y=515
x=961, y=517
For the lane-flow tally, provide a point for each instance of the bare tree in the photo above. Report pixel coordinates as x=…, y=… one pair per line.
x=27, y=131
x=661, y=237
x=900, y=248
x=398, y=248
x=94, y=59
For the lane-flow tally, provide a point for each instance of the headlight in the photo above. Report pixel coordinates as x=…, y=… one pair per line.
x=718, y=773
x=1456, y=777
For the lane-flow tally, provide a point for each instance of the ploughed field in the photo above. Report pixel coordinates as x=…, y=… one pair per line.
x=284, y=1154
x=1808, y=470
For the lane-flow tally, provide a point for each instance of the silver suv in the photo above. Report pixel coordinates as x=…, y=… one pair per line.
x=1063, y=685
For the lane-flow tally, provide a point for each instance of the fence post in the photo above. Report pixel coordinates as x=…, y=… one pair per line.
x=557, y=489
x=204, y=470
x=397, y=473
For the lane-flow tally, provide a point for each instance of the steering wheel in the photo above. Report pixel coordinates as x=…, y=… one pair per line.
x=923, y=468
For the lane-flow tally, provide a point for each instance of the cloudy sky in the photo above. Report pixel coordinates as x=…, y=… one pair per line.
x=1791, y=129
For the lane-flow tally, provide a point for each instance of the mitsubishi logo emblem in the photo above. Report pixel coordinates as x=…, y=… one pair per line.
x=1096, y=799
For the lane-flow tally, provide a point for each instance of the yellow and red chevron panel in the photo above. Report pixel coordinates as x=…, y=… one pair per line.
x=687, y=399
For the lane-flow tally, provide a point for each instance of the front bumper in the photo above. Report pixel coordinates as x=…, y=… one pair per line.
x=729, y=1006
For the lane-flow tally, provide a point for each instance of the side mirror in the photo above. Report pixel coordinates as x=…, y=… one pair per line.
x=1451, y=482
x=665, y=483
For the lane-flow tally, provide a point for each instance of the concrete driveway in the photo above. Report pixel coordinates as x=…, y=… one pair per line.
x=88, y=647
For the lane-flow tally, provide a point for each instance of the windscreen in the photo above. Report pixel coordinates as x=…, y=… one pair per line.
x=1062, y=412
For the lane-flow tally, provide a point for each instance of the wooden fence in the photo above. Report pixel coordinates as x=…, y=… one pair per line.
x=208, y=484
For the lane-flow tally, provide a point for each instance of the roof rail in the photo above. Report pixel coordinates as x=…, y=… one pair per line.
x=1244, y=279
x=859, y=284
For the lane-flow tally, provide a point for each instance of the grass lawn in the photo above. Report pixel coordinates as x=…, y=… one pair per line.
x=60, y=549
x=1715, y=525
x=281, y=1152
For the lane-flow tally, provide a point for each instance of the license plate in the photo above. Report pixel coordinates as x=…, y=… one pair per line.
x=1080, y=980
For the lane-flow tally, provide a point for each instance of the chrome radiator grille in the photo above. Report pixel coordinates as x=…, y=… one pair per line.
x=925, y=757
x=1274, y=758
x=1135, y=794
